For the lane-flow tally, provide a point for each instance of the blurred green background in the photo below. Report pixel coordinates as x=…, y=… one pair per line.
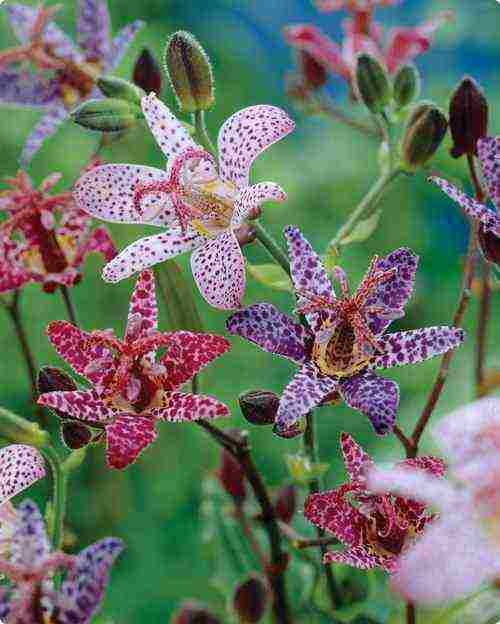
x=155, y=505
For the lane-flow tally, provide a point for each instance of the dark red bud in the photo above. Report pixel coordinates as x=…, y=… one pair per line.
x=259, y=407
x=232, y=477
x=147, y=73
x=52, y=379
x=291, y=432
x=192, y=612
x=468, y=117
x=245, y=234
x=490, y=246
x=250, y=600
x=74, y=435
x=286, y=503
x=314, y=74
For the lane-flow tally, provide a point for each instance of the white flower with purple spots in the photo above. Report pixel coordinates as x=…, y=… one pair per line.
x=20, y=467
x=200, y=203
x=345, y=339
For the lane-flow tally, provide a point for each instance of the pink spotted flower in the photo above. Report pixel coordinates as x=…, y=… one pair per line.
x=460, y=551
x=133, y=389
x=343, y=340
x=488, y=150
x=45, y=238
x=375, y=528
x=200, y=203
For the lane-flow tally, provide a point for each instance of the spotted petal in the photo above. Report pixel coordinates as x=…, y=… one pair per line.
x=80, y=404
x=245, y=135
x=122, y=41
x=100, y=242
x=417, y=345
x=219, y=271
x=306, y=390
x=488, y=150
x=433, y=465
x=13, y=275
x=93, y=28
x=30, y=544
x=373, y=396
x=362, y=557
x=45, y=128
x=143, y=310
x=168, y=131
x=253, y=197
x=355, y=459
x=271, y=330
x=82, y=591
x=22, y=89
x=20, y=467
x=126, y=438
x=108, y=193
x=189, y=407
x=149, y=251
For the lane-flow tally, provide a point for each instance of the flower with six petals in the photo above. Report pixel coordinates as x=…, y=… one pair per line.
x=344, y=339
x=132, y=388
x=202, y=205
x=376, y=528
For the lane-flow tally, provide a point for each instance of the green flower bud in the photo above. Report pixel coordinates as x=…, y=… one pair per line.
x=372, y=83
x=468, y=117
x=18, y=430
x=190, y=72
x=113, y=87
x=109, y=115
x=406, y=85
x=425, y=130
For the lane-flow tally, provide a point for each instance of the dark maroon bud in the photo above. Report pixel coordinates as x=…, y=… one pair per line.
x=147, y=73
x=285, y=504
x=250, y=600
x=192, y=612
x=245, y=234
x=74, y=435
x=52, y=379
x=468, y=117
x=314, y=74
x=232, y=477
x=490, y=246
x=291, y=432
x=259, y=407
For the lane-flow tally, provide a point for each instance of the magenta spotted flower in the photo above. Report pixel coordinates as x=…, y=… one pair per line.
x=45, y=238
x=64, y=73
x=31, y=596
x=200, y=204
x=375, y=528
x=488, y=150
x=344, y=340
x=352, y=5
x=20, y=467
x=133, y=389
x=460, y=551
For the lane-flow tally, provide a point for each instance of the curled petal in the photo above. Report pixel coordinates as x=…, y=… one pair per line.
x=488, y=150
x=20, y=467
x=355, y=459
x=362, y=557
x=245, y=135
x=253, y=197
x=188, y=407
x=79, y=404
x=143, y=310
x=30, y=544
x=219, y=271
x=93, y=28
x=122, y=41
x=45, y=128
x=126, y=437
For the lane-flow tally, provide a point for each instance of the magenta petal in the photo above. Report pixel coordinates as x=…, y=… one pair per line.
x=143, y=310
x=93, y=28
x=188, y=407
x=272, y=331
x=428, y=463
x=100, y=242
x=30, y=544
x=219, y=271
x=488, y=150
x=360, y=557
x=80, y=404
x=355, y=459
x=126, y=437
x=20, y=467
x=373, y=396
x=45, y=128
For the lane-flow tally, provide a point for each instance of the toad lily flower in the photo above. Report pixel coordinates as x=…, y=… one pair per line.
x=31, y=595
x=65, y=73
x=45, y=238
x=376, y=528
x=461, y=549
x=488, y=150
x=345, y=339
x=132, y=390
x=201, y=206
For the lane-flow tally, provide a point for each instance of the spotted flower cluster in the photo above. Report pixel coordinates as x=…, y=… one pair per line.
x=64, y=72
x=45, y=238
x=375, y=528
x=343, y=339
x=132, y=388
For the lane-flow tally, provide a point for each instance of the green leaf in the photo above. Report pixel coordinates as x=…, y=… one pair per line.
x=302, y=470
x=178, y=297
x=363, y=230
x=271, y=275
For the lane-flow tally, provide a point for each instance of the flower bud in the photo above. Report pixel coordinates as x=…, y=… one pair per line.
x=425, y=130
x=468, y=117
x=372, y=83
x=291, y=432
x=113, y=87
x=52, y=379
x=192, y=612
x=490, y=246
x=190, y=72
x=314, y=74
x=285, y=504
x=232, y=477
x=259, y=407
x=406, y=85
x=108, y=115
x=14, y=428
x=147, y=73
x=245, y=234
x=74, y=435
x=250, y=600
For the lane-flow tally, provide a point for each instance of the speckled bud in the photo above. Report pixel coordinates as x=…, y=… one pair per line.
x=425, y=130
x=259, y=407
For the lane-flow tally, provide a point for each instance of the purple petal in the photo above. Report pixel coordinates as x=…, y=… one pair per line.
x=306, y=390
x=23, y=89
x=45, y=128
x=143, y=310
x=253, y=197
x=93, y=28
x=272, y=331
x=20, y=467
x=30, y=544
x=488, y=150
x=373, y=396
x=149, y=251
x=245, y=135
x=219, y=271
x=418, y=345
x=122, y=41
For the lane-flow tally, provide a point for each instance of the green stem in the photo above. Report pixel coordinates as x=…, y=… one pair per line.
x=59, y=482
x=201, y=132
x=272, y=247
x=70, y=308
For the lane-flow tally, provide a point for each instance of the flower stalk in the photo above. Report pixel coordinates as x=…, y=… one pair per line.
x=59, y=494
x=202, y=136
x=70, y=308
x=271, y=246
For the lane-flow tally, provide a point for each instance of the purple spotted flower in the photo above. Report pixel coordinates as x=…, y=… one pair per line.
x=344, y=340
x=65, y=72
x=20, y=467
x=488, y=150
x=201, y=204
x=31, y=595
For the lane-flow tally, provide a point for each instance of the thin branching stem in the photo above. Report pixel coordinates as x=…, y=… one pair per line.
x=68, y=304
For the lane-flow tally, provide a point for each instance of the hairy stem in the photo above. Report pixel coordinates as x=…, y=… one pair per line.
x=202, y=135
x=68, y=303
x=272, y=247
x=59, y=484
